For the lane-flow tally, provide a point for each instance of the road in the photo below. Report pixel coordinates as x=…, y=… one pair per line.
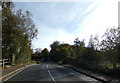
x=50, y=72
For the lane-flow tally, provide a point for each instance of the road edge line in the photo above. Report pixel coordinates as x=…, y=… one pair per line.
x=20, y=69
x=11, y=72
x=13, y=75
x=104, y=81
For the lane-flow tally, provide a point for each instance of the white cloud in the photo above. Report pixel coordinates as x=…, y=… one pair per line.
x=104, y=16
x=90, y=7
x=49, y=0
x=47, y=35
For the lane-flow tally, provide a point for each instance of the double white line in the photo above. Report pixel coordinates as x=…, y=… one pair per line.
x=51, y=75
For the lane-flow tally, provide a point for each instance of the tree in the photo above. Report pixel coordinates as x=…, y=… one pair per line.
x=18, y=32
x=45, y=54
x=91, y=42
x=110, y=44
x=78, y=43
x=36, y=54
x=61, y=52
x=7, y=28
x=54, y=48
x=54, y=45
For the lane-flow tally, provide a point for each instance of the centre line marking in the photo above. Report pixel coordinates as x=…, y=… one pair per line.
x=51, y=75
x=47, y=66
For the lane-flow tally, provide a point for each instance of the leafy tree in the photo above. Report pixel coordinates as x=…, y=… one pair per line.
x=36, y=54
x=54, y=45
x=61, y=52
x=45, y=54
x=64, y=51
x=18, y=30
x=78, y=43
x=91, y=42
x=98, y=55
x=110, y=43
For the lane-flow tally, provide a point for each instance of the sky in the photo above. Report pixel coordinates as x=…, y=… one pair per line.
x=66, y=20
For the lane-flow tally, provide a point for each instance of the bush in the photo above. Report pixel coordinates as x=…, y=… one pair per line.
x=60, y=62
x=33, y=62
x=38, y=62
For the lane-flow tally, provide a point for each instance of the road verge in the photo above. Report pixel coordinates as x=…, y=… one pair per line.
x=11, y=72
x=99, y=77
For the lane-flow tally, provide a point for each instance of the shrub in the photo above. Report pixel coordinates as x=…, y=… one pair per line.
x=60, y=62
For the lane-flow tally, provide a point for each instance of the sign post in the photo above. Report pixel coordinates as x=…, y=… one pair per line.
x=13, y=59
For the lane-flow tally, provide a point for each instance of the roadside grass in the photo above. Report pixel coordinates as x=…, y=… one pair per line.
x=107, y=65
x=33, y=62
x=39, y=62
x=21, y=64
x=60, y=62
x=105, y=68
x=0, y=66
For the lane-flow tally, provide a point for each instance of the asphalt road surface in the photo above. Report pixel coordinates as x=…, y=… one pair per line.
x=50, y=72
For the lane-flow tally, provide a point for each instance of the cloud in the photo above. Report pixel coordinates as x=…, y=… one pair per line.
x=84, y=25
x=62, y=15
x=51, y=0
x=47, y=35
x=66, y=21
x=103, y=17
x=90, y=7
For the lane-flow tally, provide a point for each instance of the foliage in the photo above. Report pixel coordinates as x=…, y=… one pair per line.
x=18, y=30
x=101, y=56
x=61, y=52
x=60, y=62
x=54, y=45
x=41, y=55
x=45, y=54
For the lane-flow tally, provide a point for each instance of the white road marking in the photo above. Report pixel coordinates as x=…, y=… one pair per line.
x=14, y=71
x=51, y=75
x=13, y=75
x=47, y=66
x=73, y=71
x=58, y=66
x=82, y=75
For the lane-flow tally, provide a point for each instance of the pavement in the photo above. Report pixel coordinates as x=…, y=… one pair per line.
x=50, y=72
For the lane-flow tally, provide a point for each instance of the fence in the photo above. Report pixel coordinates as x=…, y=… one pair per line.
x=3, y=62
x=0, y=63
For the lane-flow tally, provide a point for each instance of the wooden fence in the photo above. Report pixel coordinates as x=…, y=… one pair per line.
x=3, y=62
x=0, y=62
